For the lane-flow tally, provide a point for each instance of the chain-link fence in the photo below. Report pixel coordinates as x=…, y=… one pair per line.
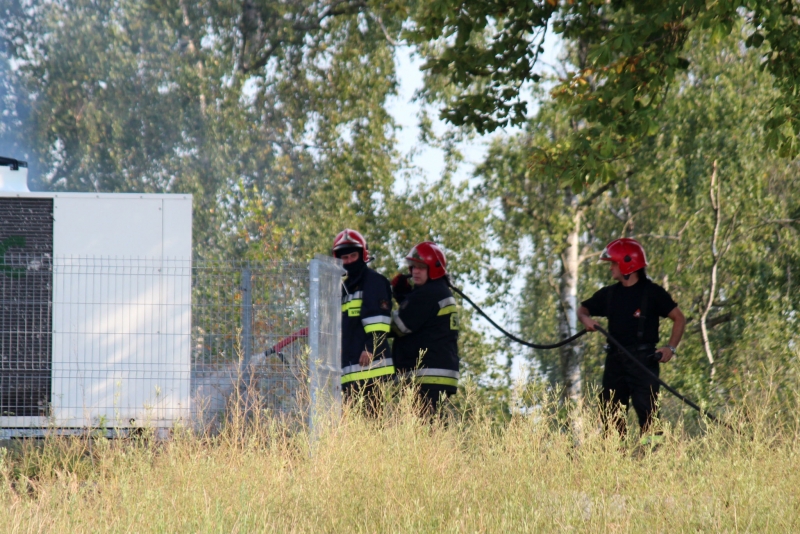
x=125, y=343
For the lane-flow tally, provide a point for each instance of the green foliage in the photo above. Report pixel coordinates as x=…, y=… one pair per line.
x=631, y=52
x=261, y=104
x=713, y=121
x=272, y=114
x=662, y=196
x=490, y=50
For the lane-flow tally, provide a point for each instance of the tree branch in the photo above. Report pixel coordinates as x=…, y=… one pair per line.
x=299, y=29
x=584, y=257
x=676, y=237
x=591, y=198
x=711, y=323
x=716, y=205
x=781, y=221
x=389, y=38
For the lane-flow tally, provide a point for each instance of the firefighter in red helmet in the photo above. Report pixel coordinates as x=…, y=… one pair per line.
x=426, y=326
x=633, y=307
x=366, y=319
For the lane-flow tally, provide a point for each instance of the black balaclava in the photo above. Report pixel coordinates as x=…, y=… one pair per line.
x=353, y=269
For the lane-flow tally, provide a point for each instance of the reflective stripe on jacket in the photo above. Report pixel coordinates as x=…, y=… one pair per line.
x=382, y=367
x=366, y=321
x=427, y=329
x=441, y=377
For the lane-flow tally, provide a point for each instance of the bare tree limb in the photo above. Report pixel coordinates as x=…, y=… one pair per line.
x=786, y=223
x=557, y=290
x=583, y=257
x=591, y=198
x=193, y=47
x=676, y=237
x=716, y=205
x=659, y=236
x=616, y=215
x=296, y=35
x=781, y=221
x=788, y=280
x=389, y=38
x=712, y=322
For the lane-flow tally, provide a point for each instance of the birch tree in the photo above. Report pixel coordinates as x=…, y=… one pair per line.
x=721, y=237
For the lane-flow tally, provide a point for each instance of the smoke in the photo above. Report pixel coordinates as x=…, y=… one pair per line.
x=14, y=119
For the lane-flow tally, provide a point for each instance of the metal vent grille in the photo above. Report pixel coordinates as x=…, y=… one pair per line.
x=26, y=281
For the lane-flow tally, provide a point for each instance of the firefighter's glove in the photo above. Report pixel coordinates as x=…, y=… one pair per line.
x=401, y=287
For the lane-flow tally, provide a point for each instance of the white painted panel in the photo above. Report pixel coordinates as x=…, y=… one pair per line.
x=105, y=326
x=121, y=312
x=177, y=235
x=97, y=226
x=175, y=338
x=177, y=298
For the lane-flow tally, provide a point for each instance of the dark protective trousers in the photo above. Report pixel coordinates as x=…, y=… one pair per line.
x=369, y=392
x=432, y=397
x=624, y=381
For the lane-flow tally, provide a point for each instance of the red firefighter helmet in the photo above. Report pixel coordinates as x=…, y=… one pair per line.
x=429, y=254
x=348, y=238
x=627, y=253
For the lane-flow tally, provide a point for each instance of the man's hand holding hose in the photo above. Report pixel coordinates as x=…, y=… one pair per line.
x=667, y=352
x=586, y=319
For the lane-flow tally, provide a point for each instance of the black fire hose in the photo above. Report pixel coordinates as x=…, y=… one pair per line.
x=512, y=336
x=608, y=336
x=669, y=388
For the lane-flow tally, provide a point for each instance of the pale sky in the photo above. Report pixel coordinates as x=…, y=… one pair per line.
x=405, y=112
x=430, y=162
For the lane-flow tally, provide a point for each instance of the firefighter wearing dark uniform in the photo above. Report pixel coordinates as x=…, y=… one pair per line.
x=366, y=316
x=426, y=326
x=633, y=307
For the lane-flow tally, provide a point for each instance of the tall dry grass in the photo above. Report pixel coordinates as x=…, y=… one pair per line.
x=400, y=473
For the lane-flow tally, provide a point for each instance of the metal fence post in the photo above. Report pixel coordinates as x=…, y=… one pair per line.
x=324, y=337
x=247, y=323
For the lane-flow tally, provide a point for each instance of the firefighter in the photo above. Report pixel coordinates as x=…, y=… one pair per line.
x=633, y=307
x=426, y=326
x=366, y=319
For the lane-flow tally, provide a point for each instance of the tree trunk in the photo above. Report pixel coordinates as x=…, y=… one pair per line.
x=193, y=50
x=568, y=287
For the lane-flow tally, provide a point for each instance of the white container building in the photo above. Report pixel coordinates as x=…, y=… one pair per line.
x=95, y=319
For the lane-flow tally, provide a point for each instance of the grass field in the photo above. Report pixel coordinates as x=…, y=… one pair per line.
x=401, y=474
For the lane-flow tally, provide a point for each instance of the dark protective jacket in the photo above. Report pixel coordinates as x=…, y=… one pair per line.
x=633, y=312
x=427, y=324
x=366, y=321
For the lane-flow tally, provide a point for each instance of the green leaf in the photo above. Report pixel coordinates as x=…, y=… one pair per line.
x=755, y=40
x=775, y=122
